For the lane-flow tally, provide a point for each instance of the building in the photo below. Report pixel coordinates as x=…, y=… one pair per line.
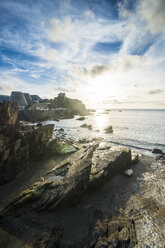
x=28, y=98
x=18, y=96
x=61, y=95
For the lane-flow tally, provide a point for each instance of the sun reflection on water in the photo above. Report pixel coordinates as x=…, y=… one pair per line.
x=101, y=121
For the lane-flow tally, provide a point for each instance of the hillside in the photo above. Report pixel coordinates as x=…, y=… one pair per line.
x=75, y=106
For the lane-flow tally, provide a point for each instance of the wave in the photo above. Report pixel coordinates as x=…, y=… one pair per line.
x=130, y=145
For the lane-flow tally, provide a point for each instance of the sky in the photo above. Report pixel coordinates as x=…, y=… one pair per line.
x=106, y=53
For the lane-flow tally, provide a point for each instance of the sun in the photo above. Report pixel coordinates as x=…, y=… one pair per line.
x=101, y=88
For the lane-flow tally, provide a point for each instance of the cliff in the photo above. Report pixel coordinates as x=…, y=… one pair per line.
x=8, y=112
x=74, y=105
x=19, y=144
x=53, y=109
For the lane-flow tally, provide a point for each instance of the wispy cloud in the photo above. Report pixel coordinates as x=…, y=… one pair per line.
x=73, y=46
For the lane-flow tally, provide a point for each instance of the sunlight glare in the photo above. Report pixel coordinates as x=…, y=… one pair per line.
x=101, y=88
x=101, y=121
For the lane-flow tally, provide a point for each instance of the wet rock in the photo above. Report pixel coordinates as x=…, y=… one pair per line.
x=135, y=158
x=82, y=118
x=61, y=130
x=128, y=172
x=57, y=146
x=108, y=129
x=157, y=150
x=39, y=124
x=86, y=126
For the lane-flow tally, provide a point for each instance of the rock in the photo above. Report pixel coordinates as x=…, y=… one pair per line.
x=57, y=146
x=51, y=194
x=39, y=124
x=108, y=129
x=6, y=155
x=81, y=118
x=82, y=141
x=20, y=146
x=157, y=150
x=61, y=130
x=16, y=145
x=104, y=146
x=8, y=113
x=1, y=140
x=8, y=239
x=86, y=126
x=135, y=158
x=43, y=133
x=107, y=164
x=128, y=172
x=79, y=177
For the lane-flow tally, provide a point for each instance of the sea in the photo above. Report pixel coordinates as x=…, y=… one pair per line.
x=141, y=130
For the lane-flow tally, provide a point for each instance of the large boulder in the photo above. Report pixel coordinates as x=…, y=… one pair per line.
x=8, y=113
x=86, y=173
x=20, y=146
x=107, y=164
x=157, y=150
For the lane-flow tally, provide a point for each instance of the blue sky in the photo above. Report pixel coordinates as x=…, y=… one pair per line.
x=104, y=52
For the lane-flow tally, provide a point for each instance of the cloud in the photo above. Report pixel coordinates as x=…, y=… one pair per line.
x=89, y=14
x=66, y=89
x=83, y=45
x=153, y=12
x=6, y=89
x=95, y=70
x=122, y=64
x=60, y=30
x=155, y=92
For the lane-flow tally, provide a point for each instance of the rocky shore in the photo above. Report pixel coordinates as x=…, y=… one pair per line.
x=21, y=145
x=77, y=195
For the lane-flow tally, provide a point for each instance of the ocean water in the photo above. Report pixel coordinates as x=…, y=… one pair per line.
x=139, y=129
